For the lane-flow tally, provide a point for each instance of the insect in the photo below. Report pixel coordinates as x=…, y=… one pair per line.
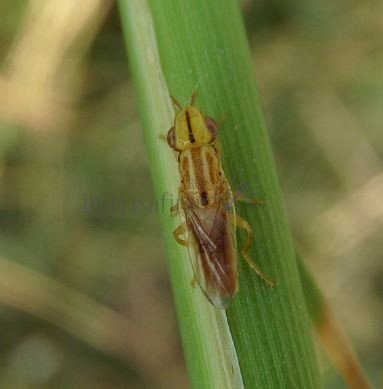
x=207, y=201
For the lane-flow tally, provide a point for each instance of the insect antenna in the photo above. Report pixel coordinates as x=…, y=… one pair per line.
x=194, y=95
x=176, y=102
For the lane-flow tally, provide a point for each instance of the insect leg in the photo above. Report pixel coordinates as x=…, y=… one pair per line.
x=242, y=223
x=240, y=197
x=218, y=147
x=181, y=230
x=194, y=281
x=175, y=208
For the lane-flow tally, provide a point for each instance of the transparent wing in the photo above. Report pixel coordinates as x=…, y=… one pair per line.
x=213, y=251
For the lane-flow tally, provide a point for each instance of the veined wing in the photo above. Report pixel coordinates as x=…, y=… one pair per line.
x=213, y=251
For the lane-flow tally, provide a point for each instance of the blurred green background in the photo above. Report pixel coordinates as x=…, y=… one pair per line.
x=85, y=299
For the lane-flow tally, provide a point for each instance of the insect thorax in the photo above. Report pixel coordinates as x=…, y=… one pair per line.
x=202, y=176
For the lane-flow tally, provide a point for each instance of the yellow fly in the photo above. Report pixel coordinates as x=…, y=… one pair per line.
x=208, y=205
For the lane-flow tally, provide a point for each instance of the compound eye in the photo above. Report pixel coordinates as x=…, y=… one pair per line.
x=171, y=138
x=212, y=125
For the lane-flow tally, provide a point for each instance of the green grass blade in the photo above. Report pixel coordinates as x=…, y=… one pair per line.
x=268, y=342
x=210, y=353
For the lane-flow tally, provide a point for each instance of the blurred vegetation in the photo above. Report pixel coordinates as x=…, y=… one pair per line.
x=84, y=292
